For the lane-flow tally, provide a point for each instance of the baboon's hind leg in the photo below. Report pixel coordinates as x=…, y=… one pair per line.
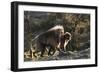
x=43, y=50
x=51, y=50
x=31, y=53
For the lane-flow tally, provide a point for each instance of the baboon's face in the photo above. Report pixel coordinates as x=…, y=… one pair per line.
x=60, y=32
x=67, y=36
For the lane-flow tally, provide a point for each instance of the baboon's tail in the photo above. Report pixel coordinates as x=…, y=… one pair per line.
x=35, y=38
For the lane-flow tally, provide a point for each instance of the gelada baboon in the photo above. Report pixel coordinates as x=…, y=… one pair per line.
x=64, y=41
x=49, y=38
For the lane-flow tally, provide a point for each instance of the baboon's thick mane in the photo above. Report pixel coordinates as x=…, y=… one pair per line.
x=57, y=27
x=51, y=29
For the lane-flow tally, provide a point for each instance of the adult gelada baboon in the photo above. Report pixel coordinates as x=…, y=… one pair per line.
x=49, y=38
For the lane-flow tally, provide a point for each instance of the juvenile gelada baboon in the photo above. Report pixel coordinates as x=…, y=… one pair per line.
x=64, y=41
x=49, y=38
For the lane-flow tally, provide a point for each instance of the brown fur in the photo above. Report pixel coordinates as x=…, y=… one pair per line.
x=49, y=38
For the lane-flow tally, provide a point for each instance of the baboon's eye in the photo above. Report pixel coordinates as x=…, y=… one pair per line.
x=62, y=32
